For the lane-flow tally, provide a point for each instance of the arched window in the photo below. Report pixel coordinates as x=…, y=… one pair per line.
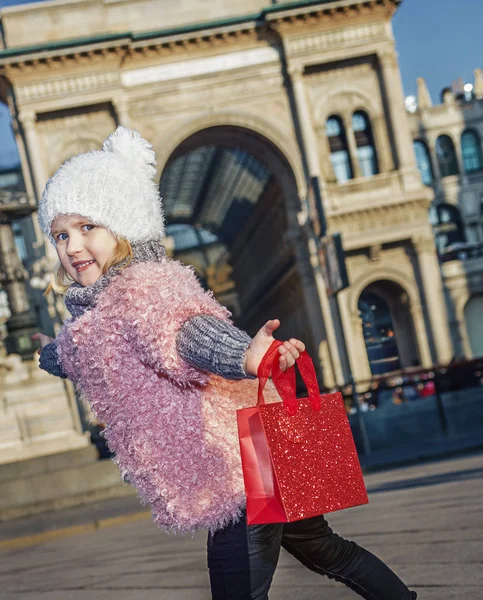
x=448, y=164
x=366, y=151
x=471, y=150
x=378, y=330
x=424, y=162
x=447, y=227
x=387, y=326
x=339, y=153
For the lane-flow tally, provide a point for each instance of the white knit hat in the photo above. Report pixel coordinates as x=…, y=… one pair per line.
x=113, y=187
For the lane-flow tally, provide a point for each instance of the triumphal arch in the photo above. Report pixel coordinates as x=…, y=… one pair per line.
x=263, y=117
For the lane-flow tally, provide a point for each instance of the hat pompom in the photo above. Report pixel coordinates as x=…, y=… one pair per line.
x=130, y=145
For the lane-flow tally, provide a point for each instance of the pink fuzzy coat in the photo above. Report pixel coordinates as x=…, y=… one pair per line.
x=172, y=426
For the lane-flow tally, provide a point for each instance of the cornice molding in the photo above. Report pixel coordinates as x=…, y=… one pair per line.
x=288, y=17
x=304, y=16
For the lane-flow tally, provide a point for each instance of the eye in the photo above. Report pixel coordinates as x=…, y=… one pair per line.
x=61, y=237
x=87, y=227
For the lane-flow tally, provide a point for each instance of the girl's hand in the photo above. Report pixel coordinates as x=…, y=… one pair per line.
x=43, y=339
x=289, y=351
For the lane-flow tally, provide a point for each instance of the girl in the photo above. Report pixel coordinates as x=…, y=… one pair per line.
x=163, y=367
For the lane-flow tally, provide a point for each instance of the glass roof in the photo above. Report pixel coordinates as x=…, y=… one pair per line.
x=213, y=188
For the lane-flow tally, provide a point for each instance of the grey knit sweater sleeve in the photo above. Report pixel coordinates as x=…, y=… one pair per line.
x=213, y=345
x=49, y=361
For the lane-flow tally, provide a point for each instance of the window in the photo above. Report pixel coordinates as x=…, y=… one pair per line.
x=366, y=151
x=445, y=152
x=471, y=150
x=474, y=226
x=447, y=227
x=19, y=241
x=339, y=153
x=424, y=162
x=379, y=333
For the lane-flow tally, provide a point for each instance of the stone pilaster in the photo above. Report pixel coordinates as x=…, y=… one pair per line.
x=432, y=286
x=384, y=154
x=351, y=142
x=421, y=335
x=397, y=113
x=305, y=120
x=27, y=119
x=122, y=112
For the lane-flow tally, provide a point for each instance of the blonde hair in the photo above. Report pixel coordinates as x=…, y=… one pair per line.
x=60, y=280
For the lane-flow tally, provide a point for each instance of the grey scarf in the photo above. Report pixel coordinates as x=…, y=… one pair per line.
x=78, y=299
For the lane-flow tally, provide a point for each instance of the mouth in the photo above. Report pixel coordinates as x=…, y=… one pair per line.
x=80, y=266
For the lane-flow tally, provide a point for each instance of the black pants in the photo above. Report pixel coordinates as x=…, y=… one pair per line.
x=242, y=560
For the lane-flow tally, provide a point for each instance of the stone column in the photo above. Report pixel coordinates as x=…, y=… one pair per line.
x=356, y=346
x=431, y=145
x=28, y=123
x=383, y=149
x=459, y=160
x=352, y=146
x=432, y=286
x=421, y=335
x=27, y=175
x=337, y=375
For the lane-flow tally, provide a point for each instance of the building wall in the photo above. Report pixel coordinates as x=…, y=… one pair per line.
x=462, y=269
x=278, y=81
x=55, y=21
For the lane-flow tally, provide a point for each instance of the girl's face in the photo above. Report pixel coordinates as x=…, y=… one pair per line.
x=83, y=248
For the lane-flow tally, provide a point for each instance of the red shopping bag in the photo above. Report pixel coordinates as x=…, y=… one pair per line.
x=298, y=456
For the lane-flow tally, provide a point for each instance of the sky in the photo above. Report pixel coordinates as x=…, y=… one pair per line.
x=440, y=40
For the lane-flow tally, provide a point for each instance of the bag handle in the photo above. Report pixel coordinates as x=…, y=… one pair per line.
x=285, y=381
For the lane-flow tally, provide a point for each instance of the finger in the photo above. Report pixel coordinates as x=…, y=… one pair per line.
x=283, y=363
x=291, y=349
x=298, y=344
x=271, y=326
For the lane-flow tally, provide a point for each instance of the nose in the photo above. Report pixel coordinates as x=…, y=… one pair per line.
x=74, y=244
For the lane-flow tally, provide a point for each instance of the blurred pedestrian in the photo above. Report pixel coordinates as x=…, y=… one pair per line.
x=398, y=396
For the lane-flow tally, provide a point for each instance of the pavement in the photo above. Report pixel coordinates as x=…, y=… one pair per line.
x=424, y=520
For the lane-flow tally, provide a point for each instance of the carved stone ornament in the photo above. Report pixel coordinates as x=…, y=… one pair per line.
x=62, y=86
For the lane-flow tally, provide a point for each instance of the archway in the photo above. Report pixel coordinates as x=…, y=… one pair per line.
x=387, y=327
x=474, y=324
x=231, y=201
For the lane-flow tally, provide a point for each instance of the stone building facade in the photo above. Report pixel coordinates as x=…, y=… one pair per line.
x=448, y=145
x=257, y=112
